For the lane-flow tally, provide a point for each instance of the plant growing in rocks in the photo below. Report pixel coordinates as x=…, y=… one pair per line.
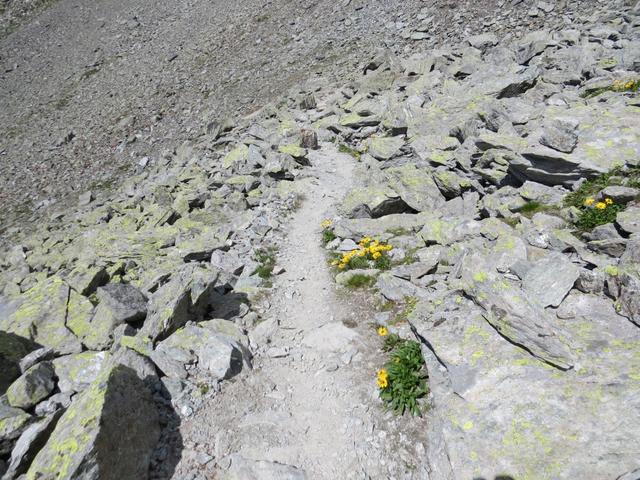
x=402, y=380
x=266, y=257
x=370, y=253
x=619, y=86
x=595, y=213
x=327, y=232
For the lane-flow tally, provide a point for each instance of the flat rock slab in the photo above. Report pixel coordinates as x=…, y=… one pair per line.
x=503, y=412
x=550, y=279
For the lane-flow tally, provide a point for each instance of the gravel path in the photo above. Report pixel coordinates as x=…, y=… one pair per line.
x=311, y=400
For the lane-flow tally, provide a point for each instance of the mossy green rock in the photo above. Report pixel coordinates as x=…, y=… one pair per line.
x=76, y=372
x=294, y=150
x=416, y=187
x=384, y=148
x=237, y=155
x=108, y=432
x=41, y=314
x=32, y=386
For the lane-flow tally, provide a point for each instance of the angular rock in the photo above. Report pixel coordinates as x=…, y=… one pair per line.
x=178, y=301
x=620, y=195
x=372, y=202
x=32, y=387
x=43, y=312
x=415, y=186
x=550, y=279
x=214, y=355
x=523, y=322
x=76, y=372
x=394, y=288
x=108, y=432
x=384, y=148
x=629, y=220
x=124, y=303
x=560, y=136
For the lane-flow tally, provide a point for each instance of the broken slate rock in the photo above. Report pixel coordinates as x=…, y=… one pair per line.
x=550, y=279
x=125, y=303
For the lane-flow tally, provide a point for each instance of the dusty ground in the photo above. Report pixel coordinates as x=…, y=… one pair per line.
x=88, y=90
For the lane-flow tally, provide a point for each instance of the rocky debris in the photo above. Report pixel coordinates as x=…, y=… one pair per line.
x=29, y=443
x=465, y=153
x=201, y=351
x=109, y=431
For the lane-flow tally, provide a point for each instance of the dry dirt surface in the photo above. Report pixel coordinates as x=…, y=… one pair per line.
x=90, y=91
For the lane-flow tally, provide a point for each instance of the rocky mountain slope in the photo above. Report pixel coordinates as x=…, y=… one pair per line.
x=89, y=92
x=194, y=324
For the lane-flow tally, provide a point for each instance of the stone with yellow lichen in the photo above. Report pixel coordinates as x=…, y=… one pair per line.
x=108, y=432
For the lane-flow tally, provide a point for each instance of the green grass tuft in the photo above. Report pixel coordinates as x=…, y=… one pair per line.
x=360, y=280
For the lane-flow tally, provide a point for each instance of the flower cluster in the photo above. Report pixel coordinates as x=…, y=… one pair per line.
x=383, y=379
x=591, y=202
x=368, y=249
x=595, y=213
x=621, y=86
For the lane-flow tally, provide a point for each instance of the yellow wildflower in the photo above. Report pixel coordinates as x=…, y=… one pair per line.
x=601, y=205
x=376, y=255
x=383, y=378
x=383, y=331
x=608, y=201
x=326, y=223
x=589, y=201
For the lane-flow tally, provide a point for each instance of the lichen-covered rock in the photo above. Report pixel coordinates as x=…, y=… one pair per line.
x=108, y=432
x=13, y=421
x=550, y=279
x=43, y=313
x=629, y=220
x=125, y=303
x=178, y=301
x=75, y=372
x=415, y=186
x=215, y=355
x=384, y=148
x=372, y=202
x=32, y=387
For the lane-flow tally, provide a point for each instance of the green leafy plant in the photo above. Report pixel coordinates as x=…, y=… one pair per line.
x=594, y=214
x=402, y=381
x=328, y=236
x=267, y=261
